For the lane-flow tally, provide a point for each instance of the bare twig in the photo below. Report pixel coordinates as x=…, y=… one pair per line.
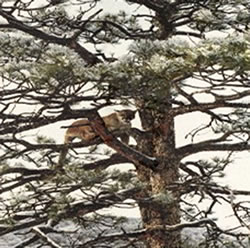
x=45, y=237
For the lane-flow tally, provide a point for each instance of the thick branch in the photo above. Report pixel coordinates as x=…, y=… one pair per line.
x=207, y=106
x=102, y=201
x=140, y=234
x=206, y=147
x=32, y=147
x=90, y=58
x=231, y=97
x=220, y=101
x=21, y=182
x=21, y=124
x=24, y=225
x=105, y=163
x=167, y=228
x=25, y=171
x=126, y=151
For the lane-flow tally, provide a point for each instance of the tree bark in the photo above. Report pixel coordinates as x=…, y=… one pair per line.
x=164, y=208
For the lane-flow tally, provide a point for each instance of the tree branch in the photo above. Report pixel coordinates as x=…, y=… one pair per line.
x=105, y=163
x=102, y=201
x=90, y=58
x=27, y=242
x=25, y=171
x=140, y=234
x=23, y=225
x=207, y=106
x=19, y=123
x=126, y=151
x=46, y=238
x=206, y=147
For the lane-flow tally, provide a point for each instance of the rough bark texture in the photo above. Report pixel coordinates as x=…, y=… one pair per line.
x=164, y=211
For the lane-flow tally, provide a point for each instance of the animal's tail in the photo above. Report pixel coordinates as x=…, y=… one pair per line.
x=62, y=157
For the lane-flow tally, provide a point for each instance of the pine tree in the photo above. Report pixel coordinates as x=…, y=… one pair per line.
x=171, y=61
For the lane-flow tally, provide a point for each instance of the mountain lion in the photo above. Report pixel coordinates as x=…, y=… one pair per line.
x=119, y=120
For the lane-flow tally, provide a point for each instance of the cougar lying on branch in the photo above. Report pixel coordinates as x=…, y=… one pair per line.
x=117, y=121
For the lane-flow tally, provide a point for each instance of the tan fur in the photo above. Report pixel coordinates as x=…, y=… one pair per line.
x=82, y=129
x=119, y=120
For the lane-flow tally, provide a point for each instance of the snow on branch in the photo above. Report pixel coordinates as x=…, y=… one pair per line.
x=44, y=237
x=140, y=234
x=103, y=200
x=90, y=58
x=105, y=163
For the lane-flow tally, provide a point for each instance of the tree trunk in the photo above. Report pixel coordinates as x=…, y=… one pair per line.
x=164, y=210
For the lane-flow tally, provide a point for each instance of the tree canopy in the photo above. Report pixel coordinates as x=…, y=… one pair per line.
x=171, y=60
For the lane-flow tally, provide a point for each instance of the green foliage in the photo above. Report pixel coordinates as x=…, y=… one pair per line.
x=152, y=69
x=113, y=34
x=56, y=17
x=36, y=65
x=41, y=139
x=53, y=56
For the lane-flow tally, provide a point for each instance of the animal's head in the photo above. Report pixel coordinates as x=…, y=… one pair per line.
x=127, y=114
